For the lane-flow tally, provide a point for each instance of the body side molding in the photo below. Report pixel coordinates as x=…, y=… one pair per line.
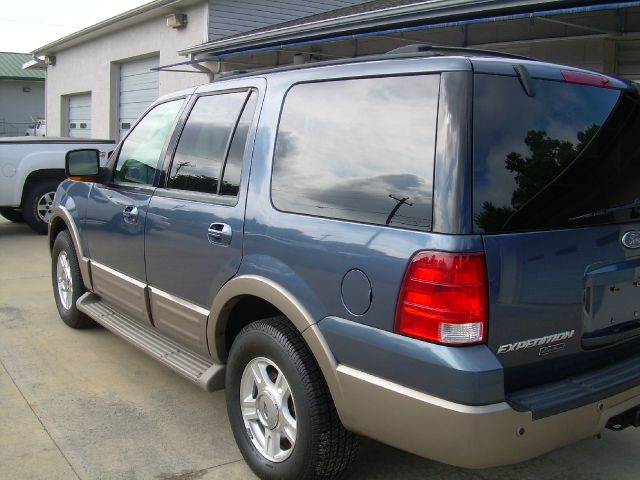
x=125, y=293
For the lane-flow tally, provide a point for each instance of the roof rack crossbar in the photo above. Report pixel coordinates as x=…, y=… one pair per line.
x=426, y=48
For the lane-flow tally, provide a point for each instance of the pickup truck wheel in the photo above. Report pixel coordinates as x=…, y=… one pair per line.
x=67, y=282
x=12, y=214
x=38, y=203
x=280, y=409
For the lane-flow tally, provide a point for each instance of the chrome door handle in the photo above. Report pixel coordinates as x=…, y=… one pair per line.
x=220, y=234
x=130, y=214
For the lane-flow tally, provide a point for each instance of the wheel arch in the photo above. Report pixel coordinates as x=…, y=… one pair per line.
x=37, y=175
x=283, y=302
x=62, y=220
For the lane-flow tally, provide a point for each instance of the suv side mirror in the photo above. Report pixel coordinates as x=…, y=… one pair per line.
x=82, y=165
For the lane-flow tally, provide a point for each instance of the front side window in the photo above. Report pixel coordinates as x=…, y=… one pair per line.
x=204, y=143
x=360, y=150
x=140, y=153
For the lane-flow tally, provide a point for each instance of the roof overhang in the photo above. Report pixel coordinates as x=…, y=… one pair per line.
x=123, y=20
x=413, y=16
x=34, y=64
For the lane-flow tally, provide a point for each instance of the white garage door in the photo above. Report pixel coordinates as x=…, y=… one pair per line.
x=628, y=56
x=80, y=115
x=138, y=89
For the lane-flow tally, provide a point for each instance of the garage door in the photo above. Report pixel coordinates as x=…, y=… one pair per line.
x=80, y=115
x=628, y=56
x=138, y=89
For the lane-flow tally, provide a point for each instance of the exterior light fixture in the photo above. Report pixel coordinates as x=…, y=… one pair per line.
x=177, y=20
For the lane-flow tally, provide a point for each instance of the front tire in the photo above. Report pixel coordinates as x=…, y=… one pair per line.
x=280, y=408
x=38, y=203
x=12, y=214
x=67, y=281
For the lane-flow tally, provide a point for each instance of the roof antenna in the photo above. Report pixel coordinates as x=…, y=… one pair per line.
x=525, y=79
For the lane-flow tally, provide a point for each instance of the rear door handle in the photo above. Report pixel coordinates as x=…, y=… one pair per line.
x=220, y=234
x=130, y=214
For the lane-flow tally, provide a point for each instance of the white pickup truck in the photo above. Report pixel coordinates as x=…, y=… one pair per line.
x=31, y=169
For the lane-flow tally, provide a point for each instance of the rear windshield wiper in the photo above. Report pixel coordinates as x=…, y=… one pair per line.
x=605, y=211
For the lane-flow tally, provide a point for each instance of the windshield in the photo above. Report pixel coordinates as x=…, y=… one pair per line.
x=567, y=157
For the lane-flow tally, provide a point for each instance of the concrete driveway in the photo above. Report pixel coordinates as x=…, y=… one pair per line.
x=84, y=404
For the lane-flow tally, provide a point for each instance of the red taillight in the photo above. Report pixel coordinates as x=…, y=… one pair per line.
x=584, y=78
x=443, y=298
x=109, y=153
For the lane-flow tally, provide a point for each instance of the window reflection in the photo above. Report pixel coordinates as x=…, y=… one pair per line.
x=566, y=157
x=233, y=166
x=199, y=156
x=359, y=150
x=140, y=152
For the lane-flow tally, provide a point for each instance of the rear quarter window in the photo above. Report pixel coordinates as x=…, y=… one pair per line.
x=359, y=150
x=567, y=157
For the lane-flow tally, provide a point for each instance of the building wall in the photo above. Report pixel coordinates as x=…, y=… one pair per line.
x=230, y=17
x=17, y=106
x=94, y=67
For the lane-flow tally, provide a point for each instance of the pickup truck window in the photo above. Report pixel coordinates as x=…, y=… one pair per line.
x=204, y=142
x=359, y=150
x=138, y=159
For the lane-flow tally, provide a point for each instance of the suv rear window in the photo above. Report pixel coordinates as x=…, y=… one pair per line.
x=359, y=149
x=567, y=157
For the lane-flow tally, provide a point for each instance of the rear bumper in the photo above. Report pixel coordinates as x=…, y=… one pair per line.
x=462, y=435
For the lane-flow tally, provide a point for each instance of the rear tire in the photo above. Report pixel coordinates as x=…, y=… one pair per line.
x=278, y=398
x=38, y=203
x=67, y=282
x=12, y=214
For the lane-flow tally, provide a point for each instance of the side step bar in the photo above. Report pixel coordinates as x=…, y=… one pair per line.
x=200, y=370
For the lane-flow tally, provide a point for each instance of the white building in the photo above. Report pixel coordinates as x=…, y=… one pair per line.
x=100, y=79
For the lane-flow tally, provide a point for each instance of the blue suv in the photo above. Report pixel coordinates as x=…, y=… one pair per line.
x=431, y=248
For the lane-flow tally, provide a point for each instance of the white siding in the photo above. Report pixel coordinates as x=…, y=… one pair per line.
x=93, y=65
x=230, y=17
x=139, y=88
x=80, y=115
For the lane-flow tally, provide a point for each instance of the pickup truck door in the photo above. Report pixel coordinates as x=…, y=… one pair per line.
x=194, y=227
x=117, y=211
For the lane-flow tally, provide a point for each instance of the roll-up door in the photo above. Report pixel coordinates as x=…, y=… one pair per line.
x=80, y=115
x=138, y=89
x=628, y=56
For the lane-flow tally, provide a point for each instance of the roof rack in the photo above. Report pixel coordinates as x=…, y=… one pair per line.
x=444, y=50
x=232, y=73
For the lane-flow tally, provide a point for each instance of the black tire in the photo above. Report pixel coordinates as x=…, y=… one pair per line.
x=12, y=214
x=34, y=196
x=323, y=447
x=69, y=314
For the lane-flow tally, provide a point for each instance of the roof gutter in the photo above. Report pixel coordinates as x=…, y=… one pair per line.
x=134, y=15
x=282, y=38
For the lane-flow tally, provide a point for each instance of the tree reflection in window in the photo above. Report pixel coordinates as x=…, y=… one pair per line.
x=549, y=158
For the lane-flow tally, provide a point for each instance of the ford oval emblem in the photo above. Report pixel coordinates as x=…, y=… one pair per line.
x=631, y=239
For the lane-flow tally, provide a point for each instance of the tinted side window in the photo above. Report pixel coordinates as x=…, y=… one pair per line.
x=567, y=157
x=200, y=153
x=138, y=159
x=360, y=150
x=233, y=166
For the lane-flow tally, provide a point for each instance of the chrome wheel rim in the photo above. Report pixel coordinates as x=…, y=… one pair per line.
x=65, y=284
x=43, y=207
x=268, y=409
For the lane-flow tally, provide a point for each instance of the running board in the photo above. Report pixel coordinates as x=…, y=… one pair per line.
x=200, y=370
